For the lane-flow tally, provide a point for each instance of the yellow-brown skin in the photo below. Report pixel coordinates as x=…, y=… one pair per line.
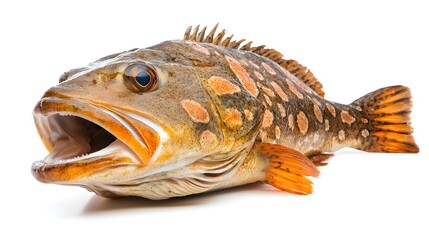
x=214, y=103
x=183, y=75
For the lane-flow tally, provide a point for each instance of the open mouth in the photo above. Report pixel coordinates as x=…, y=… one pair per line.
x=84, y=139
x=75, y=138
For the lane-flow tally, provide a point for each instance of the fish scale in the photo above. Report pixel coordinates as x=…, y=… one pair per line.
x=205, y=113
x=314, y=139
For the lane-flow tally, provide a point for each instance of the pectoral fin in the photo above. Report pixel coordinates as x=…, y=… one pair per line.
x=287, y=168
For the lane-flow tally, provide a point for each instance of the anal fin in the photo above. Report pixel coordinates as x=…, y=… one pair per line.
x=287, y=168
x=320, y=158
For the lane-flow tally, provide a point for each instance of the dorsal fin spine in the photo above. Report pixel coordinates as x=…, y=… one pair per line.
x=301, y=72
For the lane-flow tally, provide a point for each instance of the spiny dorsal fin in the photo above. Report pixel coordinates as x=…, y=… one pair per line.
x=292, y=66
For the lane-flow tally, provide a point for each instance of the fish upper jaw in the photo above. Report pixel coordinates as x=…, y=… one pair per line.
x=91, y=142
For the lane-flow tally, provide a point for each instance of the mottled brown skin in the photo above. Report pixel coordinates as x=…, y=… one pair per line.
x=307, y=142
x=231, y=117
x=183, y=73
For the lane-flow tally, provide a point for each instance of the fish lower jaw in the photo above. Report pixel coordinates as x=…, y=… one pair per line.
x=75, y=163
x=87, y=142
x=76, y=139
x=117, y=148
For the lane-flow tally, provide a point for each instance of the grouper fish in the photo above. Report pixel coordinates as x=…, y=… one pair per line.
x=202, y=114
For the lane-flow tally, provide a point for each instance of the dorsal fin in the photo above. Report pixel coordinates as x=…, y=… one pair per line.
x=292, y=66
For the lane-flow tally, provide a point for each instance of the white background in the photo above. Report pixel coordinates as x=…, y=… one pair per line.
x=351, y=48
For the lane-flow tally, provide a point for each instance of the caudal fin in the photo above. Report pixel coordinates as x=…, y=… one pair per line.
x=388, y=110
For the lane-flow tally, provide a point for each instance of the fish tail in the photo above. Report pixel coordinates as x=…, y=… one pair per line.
x=388, y=111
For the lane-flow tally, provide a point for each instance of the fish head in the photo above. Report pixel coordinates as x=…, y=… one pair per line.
x=134, y=114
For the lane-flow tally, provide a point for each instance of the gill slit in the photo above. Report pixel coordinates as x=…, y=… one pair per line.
x=222, y=125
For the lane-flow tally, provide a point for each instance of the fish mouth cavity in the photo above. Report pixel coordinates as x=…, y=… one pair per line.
x=79, y=133
x=75, y=138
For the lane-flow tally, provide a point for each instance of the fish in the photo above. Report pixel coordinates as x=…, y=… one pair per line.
x=205, y=113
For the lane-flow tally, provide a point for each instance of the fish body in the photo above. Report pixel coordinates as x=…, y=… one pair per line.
x=201, y=114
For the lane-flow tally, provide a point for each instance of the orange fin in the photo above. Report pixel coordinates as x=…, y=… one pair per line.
x=320, y=159
x=389, y=111
x=287, y=168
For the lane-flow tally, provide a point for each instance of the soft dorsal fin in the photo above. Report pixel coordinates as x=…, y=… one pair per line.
x=292, y=66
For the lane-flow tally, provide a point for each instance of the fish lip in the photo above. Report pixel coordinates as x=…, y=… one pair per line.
x=113, y=122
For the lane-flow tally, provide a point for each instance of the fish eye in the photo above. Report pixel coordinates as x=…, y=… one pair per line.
x=140, y=78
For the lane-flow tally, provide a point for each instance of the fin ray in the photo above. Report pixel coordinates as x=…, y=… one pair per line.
x=389, y=112
x=295, y=68
x=287, y=168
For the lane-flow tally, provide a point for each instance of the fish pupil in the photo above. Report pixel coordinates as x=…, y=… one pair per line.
x=143, y=78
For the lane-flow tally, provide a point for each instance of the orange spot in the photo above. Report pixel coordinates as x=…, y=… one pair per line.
x=248, y=114
x=301, y=84
x=263, y=135
x=254, y=65
x=358, y=108
x=94, y=81
x=268, y=119
x=268, y=100
x=278, y=132
x=208, y=140
x=244, y=63
x=297, y=81
x=316, y=101
x=197, y=112
x=281, y=110
x=341, y=135
x=347, y=118
x=326, y=125
x=258, y=75
x=243, y=76
x=294, y=90
x=291, y=121
x=104, y=79
x=331, y=109
x=269, y=69
x=280, y=91
x=199, y=48
x=302, y=121
x=365, y=133
x=232, y=118
x=318, y=113
x=268, y=91
x=221, y=86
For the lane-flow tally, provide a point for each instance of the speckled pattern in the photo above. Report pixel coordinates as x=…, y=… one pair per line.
x=202, y=126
